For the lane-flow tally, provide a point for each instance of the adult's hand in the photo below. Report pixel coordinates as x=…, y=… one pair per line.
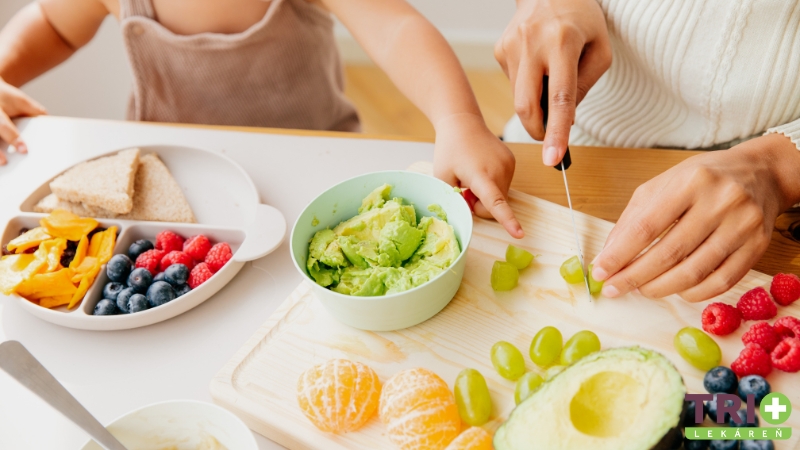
x=14, y=103
x=723, y=206
x=566, y=40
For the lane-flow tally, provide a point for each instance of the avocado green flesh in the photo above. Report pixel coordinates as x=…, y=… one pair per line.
x=383, y=250
x=620, y=399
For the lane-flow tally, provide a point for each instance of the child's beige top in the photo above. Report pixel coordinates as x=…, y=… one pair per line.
x=283, y=72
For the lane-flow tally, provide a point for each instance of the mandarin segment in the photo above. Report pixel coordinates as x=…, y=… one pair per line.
x=419, y=410
x=473, y=438
x=339, y=395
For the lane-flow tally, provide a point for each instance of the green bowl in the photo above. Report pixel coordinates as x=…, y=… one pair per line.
x=403, y=309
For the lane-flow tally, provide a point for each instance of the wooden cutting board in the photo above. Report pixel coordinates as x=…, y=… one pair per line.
x=259, y=382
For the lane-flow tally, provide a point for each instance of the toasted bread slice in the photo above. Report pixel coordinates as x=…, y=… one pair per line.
x=106, y=182
x=157, y=197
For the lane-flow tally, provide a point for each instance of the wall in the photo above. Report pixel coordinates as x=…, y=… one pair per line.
x=96, y=81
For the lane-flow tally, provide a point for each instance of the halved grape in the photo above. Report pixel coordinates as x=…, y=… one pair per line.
x=579, y=345
x=472, y=397
x=518, y=257
x=504, y=276
x=571, y=271
x=546, y=346
x=527, y=385
x=507, y=360
x=594, y=286
x=697, y=348
x=553, y=371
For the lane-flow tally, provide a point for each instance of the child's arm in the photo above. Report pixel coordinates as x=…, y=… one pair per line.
x=31, y=44
x=421, y=64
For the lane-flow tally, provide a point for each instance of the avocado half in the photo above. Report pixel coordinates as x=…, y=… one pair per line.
x=617, y=399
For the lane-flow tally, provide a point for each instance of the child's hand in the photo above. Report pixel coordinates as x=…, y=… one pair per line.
x=14, y=103
x=468, y=155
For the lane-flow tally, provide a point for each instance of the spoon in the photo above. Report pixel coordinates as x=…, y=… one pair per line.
x=18, y=362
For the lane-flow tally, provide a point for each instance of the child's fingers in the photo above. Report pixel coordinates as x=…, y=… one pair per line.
x=493, y=202
x=8, y=131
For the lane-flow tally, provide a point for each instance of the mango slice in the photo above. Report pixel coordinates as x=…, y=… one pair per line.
x=28, y=240
x=80, y=252
x=102, y=244
x=50, y=251
x=85, y=284
x=53, y=284
x=61, y=223
x=11, y=271
x=52, y=302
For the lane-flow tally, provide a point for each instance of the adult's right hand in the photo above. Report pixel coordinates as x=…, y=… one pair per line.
x=566, y=40
x=14, y=103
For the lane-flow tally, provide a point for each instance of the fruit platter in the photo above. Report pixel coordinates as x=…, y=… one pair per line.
x=134, y=237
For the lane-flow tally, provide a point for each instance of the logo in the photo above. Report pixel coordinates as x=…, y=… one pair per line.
x=775, y=409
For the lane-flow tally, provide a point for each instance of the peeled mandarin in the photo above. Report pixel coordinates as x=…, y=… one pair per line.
x=339, y=395
x=473, y=438
x=419, y=410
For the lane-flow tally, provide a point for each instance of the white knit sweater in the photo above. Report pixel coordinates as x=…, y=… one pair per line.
x=693, y=74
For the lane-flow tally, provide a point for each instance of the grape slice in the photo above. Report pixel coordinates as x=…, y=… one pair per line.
x=571, y=271
x=518, y=257
x=594, y=286
x=505, y=276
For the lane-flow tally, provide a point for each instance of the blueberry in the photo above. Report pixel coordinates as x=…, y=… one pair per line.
x=112, y=290
x=724, y=445
x=159, y=293
x=137, y=302
x=177, y=274
x=139, y=247
x=688, y=419
x=140, y=279
x=757, y=445
x=720, y=379
x=182, y=290
x=159, y=277
x=118, y=268
x=105, y=307
x=742, y=413
x=123, y=297
x=712, y=410
x=753, y=384
x=689, y=444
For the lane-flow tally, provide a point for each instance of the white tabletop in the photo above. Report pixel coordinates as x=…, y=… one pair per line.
x=112, y=373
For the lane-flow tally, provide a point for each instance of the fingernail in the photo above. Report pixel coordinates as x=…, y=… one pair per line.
x=21, y=147
x=610, y=291
x=599, y=274
x=550, y=156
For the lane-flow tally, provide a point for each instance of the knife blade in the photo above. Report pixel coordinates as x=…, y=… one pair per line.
x=566, y=162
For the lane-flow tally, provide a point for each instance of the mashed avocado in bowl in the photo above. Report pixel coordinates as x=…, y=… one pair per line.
x=382, y=250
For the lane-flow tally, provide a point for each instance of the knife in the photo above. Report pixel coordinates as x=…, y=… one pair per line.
x=566, y=162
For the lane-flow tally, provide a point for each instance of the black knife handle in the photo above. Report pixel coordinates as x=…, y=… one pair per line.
x=544, y=103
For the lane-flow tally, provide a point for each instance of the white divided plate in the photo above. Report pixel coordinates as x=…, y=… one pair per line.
x=227, y=207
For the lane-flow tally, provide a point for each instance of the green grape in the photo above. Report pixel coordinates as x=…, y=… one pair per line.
x=579, y=345
x=697, y=348
x=507, y=360
x=472, y=397
x=594, y=286
x=527, y=385
x=546, y=346
x=553, y=371
x=571, y=271
x=518, y=257
x=504, y=276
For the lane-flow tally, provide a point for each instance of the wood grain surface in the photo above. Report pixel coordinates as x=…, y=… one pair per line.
x=259, y=382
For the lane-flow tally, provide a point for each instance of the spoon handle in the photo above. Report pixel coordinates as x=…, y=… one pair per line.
x=18, y=362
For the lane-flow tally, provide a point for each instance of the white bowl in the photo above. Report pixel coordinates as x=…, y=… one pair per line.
x=395, y=311
x=227, y=208
x=180, y=425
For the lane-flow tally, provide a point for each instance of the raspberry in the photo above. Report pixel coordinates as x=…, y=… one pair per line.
x=752, y=361
x=755, y=304
x=199, y=275
x=763, y=334
x=176, y=257
x=787, y=327
x=150, y=260
x=785, y=288
x=218, y=256
x=197, y=247
x=169, y=241
x=721, y=319
x=786, y=356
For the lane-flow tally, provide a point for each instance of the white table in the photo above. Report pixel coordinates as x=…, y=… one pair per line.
x=112, y=373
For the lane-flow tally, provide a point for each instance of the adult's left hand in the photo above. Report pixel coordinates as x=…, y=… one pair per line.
x=721, y=207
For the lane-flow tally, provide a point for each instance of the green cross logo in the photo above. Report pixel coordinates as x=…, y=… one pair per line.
x=775, y=408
